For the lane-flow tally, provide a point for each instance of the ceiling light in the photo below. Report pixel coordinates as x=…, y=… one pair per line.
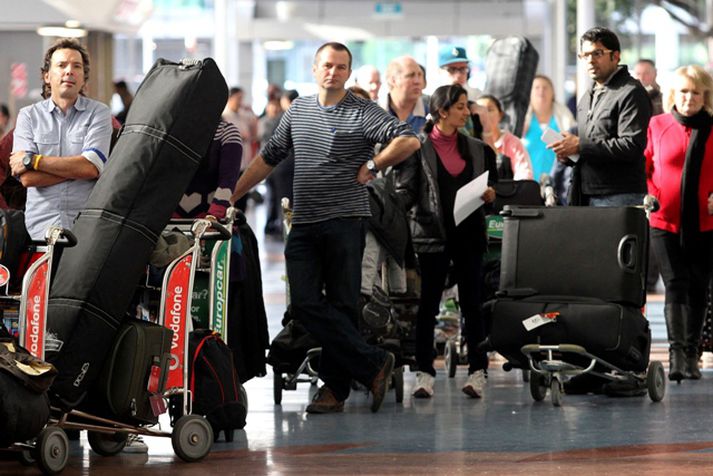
x=62, y=31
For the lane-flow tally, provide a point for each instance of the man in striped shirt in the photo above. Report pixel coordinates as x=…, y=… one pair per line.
x=333, y=134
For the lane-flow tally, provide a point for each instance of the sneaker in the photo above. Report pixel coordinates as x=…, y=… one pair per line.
x=324, y=401
x=381, y=382
x=475, y=385
x=424, y=385
x=135, y=444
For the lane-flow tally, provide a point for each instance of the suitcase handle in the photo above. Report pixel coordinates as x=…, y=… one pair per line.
x=626, y=253
x=523, y=212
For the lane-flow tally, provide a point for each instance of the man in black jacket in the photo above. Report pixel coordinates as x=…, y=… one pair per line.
x=613, y=117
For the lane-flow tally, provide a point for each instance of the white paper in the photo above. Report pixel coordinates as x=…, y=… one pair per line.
x=550, y=136
x=468, y=197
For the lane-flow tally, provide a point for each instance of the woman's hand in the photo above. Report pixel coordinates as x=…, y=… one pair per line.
x=489, y=196
x=710, y=203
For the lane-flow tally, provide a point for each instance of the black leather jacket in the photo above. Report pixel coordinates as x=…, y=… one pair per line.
x=416, y=183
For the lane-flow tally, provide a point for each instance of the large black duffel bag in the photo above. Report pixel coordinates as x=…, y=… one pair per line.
x=576, y=251
x=170, y=125
x=613, y=332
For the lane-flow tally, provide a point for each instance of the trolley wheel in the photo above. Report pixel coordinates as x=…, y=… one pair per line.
x=656, y=381
x=105, y=444
x=556, y=392
x=52, y=450
x=397, y=380
x=526, y=375
x=538, y=386
x=192, y=438
x=277, y=385
x=451, y=357
x=26, y=458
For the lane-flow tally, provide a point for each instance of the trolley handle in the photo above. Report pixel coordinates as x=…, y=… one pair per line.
x=223, y=232
x=62, y=237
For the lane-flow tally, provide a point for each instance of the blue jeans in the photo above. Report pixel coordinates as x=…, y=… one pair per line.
x=615, y=200
x=324, y=271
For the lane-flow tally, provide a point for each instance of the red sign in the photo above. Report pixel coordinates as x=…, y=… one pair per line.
x=36, y=312
x=4, y=275
x=18, y=80
x=176, y=313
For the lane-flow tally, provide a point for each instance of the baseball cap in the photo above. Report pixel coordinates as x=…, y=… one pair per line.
x=450, y=55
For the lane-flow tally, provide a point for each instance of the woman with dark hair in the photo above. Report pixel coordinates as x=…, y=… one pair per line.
x=679, y=171
x=427, y=183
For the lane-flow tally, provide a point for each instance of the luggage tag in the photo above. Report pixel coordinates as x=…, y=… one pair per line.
x=158, y=405
x=538, y=320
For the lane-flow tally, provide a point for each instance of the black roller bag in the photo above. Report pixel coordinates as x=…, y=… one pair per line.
x=576, y=251
x=510, y=67
x=516, y=192
x=170, y=125
x=613, y=332
x=24, y=380
x=136, y=368
x=215, y=387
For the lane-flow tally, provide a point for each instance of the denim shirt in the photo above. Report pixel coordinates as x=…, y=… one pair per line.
x=43, y=128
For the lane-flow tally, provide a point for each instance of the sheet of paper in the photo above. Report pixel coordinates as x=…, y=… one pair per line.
x=550, y=136
x=468, y=197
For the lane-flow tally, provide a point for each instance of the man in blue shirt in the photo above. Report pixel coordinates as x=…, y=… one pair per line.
x=62, y=143
x=406, y=82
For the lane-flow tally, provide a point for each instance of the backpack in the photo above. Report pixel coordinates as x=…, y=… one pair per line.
x=216, y=390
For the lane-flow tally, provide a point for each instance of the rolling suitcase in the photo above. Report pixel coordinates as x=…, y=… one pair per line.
x=616, y=333
x=170, y=125
x=575, y=251
x=136, y=368
x=510, y=67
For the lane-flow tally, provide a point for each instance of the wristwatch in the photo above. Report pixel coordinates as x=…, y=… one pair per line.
x=371, y=167
x=28, y=161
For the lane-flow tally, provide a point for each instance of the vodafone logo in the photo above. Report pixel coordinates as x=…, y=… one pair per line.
x=4, y=275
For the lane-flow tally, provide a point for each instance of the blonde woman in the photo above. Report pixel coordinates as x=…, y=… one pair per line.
x=679, y=171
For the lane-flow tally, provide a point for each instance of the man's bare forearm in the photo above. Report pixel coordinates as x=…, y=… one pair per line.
x=34, y=178
x=397, y=151
x=253, y=175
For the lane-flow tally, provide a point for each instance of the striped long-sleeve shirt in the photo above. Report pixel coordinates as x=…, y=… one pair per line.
x=331, y=144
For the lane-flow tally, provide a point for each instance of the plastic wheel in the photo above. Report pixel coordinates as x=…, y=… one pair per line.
x=52, y=450
x=25, y=458
x=277, y=385
x=451, y=358
x=538, y=387
x=556, y=392
x=398, y=383
x=192, y=438
x=656, y=381
x=105, y=444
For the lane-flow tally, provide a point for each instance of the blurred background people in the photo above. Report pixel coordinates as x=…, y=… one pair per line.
x=513, y=159
x=544, y=112
x=369, y=79
x=4, y=119
x=679, y=172
x=645, y=71
x=122, y=90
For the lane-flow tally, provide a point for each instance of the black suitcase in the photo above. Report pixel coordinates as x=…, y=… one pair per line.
x=576, y=251
x=613, y=332
x=510, y=68
x=141, y=352
x=170, y=125
x=516, y=192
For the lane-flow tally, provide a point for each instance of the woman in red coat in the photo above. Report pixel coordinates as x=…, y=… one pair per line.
x=679, y=167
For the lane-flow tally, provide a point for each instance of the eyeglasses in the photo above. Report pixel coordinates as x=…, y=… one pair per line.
x=457, y=69
x=595, y=55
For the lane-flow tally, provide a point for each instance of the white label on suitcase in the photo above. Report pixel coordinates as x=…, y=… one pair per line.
x=536, y=321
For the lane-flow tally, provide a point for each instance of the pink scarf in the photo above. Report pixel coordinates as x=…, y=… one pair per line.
x=447, y=149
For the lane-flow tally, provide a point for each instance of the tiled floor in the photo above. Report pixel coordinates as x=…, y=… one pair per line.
x=503, y=433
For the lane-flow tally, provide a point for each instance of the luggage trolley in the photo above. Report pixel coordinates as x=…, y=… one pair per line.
x=192, y=435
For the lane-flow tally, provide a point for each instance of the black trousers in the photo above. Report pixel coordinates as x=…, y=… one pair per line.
x=685, y=274
x=467, y=263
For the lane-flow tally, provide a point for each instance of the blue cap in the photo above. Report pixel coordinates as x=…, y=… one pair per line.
x=450, y=55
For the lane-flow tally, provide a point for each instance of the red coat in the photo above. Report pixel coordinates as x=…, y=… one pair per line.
x=665, y=154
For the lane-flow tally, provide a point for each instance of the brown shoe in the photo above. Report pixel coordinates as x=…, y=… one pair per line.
x=381, y=382
x=324, y=401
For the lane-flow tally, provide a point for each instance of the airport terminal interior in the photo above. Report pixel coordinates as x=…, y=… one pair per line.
x=506, y=432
